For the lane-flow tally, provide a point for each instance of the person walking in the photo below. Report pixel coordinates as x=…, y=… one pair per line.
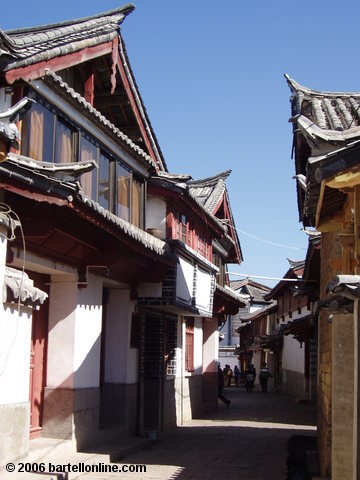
x=221, y=388
x=237, y=376
x=264, y=377
x=250, y=375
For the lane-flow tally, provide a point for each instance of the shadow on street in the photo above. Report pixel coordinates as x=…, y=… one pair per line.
x=247, y=440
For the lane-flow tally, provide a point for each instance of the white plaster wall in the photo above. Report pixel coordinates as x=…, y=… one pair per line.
x=74, y=339
x=156, y=214
x=62, y=308
x=180, y=359
x=293, y=357
x=87, y=334
x=120, y=359
x=184, y=281
x=15, y=337
x=210, y=346
x=228, y=360
x=203, y=290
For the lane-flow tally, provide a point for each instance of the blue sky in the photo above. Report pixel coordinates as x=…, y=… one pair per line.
x=211, y=75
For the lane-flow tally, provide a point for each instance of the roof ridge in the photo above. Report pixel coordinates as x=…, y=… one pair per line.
x=100, y=117
x=125, y=10
x=210, y=180
x=297, y=87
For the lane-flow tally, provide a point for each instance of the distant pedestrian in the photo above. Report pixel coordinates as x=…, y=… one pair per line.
x=227, y=372
x=237, y=376
x=221, y=387
x=250, y=375
x=264, y=377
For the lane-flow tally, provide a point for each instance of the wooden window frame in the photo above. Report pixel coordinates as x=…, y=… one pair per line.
x=189, y=343
x=77, y=133
x=193, y=236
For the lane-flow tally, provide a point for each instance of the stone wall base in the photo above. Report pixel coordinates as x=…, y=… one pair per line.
x=293, y=383
x=14, y=434
x=88, y=416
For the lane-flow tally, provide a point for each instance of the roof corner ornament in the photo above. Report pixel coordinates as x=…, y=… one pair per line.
x=9, y=133
x=301, y=180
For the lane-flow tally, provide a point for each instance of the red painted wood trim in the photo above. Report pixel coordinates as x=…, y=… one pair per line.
x=227, y=213
x=115, y=61
x=136, y=111
x=37, y=70
x=222, y=199
x=40, y=197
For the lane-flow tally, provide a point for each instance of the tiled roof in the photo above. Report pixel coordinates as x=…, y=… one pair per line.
x=327, y=115
x=9, y=117
x=256, y=290
x=57, y=81
x=36, y=175
x=209, y=191
x=25, y=47
x=181, y=183
x=243, y=299
x=18, y=284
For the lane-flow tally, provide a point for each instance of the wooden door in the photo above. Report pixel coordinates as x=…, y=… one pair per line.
x=38, y=359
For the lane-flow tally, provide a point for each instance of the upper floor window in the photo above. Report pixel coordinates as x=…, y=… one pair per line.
x=65, y=138
x=221, y=275
x=191, y=235
x=37, y=133
x=48, y=136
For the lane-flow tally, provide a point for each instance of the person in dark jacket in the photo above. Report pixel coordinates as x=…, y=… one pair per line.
x=250, y=375
x=221, y=388
x=264, y=377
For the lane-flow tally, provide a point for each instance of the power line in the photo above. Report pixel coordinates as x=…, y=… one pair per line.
x=268, y=278
x=261, y=239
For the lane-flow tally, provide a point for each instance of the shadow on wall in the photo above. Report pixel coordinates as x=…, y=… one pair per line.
x=84, y=414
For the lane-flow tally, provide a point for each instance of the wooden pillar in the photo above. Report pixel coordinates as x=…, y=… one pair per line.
x=356, y=442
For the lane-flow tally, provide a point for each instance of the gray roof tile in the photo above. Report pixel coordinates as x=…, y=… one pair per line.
x=44, y=175
x=328, y=115
x=27, y=46
x=59, y=82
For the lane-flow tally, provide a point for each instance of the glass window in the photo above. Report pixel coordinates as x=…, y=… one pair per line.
x=137, y=199
x=123, y=179
x=89, y=151
x=63, y=142
x=38, y=136
x=104, y=182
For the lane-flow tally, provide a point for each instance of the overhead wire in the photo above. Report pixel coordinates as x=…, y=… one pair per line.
x=259, y=238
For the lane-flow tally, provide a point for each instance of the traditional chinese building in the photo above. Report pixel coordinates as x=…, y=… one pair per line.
x=114, y=269
x=326, y=134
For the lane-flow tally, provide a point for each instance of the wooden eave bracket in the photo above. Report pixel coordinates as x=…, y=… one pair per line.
x=338, y=222
x=38, y=70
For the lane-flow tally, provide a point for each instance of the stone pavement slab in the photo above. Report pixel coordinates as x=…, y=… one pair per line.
x=248, y=440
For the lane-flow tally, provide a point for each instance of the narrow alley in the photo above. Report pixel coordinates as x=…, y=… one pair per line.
x=248, y=440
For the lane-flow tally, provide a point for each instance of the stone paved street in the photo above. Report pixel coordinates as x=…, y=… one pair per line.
x=246, y=441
